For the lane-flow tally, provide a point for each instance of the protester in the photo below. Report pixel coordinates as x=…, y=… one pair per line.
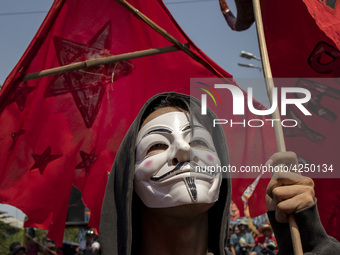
x=155, y=204
x=52, y=249
x=85, y=245
x=94, y=250
x=242, y=242
x=31, y=243
x=229, y=234
x=16, y=249
x=266, y=242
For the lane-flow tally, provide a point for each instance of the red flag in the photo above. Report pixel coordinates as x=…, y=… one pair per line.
x=298, y=48
x=250, y=139
x=327, y=16
x=65, y=129
x=234, y=212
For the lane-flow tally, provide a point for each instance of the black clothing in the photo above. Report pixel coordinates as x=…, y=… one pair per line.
x=313, y=236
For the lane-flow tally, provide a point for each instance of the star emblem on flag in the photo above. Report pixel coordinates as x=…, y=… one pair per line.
x=42, y=160
x=87, y=160
x=87, y=86
x=20, y=95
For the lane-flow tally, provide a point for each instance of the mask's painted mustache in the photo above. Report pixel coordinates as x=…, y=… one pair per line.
x=179, y=167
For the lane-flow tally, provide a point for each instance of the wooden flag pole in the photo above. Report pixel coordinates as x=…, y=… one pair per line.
x=277, y=128
x=41, y=245
x=152, y=24
x=98, y=61
x=295, y=234
x=111, y=59
x=165, y=34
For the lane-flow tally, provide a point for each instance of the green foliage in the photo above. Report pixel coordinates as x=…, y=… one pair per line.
x=71, y=234
x=40, y=234
x=8, y=234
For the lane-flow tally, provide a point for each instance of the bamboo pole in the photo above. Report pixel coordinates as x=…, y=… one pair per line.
x=294, y=230
x=268, y=75
x=165, y=34
x=41, y=245
x=126, y=56
x=98, y=61
x=152, y=24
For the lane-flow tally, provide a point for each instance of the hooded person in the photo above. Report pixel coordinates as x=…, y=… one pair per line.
x=121, y=220
x=161, y=197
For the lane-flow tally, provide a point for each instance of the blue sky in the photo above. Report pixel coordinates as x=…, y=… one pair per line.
x=201, y=20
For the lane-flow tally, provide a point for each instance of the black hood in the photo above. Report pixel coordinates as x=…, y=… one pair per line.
x=119, y=217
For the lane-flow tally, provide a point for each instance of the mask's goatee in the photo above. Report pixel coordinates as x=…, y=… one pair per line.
x=191, y=185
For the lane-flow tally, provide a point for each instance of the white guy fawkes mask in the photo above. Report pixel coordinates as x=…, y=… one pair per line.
x=168, y=159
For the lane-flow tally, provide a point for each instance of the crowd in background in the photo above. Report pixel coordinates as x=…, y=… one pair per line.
x=242, y=240
x=89, y=246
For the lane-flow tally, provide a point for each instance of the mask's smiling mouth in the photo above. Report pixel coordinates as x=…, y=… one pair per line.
x=179, y=169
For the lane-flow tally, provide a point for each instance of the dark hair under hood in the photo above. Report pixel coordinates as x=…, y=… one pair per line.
x=119, y=218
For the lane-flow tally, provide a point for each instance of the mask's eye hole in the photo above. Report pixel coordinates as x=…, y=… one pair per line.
x=157, y=148
x=199, y=144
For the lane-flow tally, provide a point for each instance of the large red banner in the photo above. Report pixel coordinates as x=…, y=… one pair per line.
x=303, y=42
x=65, y=129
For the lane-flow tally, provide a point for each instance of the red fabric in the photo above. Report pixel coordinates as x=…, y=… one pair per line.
x=327, y=16
x=234, y=212
x=297, y=48
x=262, y=239
x=65, y=129
x=248, y=146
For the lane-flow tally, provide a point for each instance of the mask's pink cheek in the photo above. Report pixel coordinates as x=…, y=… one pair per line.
x=148, y=163
x=210, y=158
